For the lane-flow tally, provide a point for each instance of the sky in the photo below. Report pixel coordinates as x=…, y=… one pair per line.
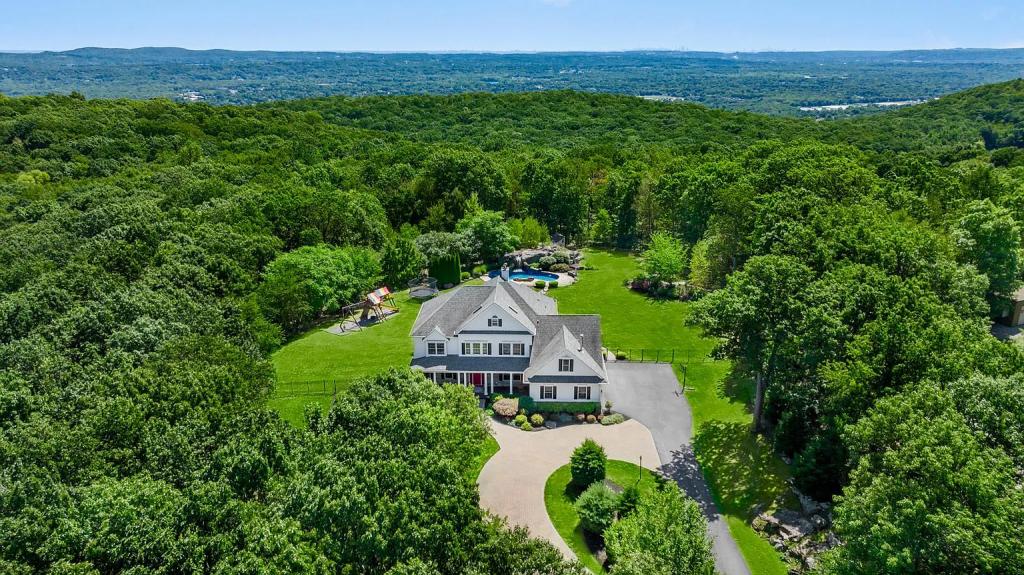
x=512, y=25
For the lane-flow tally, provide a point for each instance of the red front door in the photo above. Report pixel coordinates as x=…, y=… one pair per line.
x=477, y=379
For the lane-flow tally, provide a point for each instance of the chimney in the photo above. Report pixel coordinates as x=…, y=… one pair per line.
x=504, y=271
x=581, y=342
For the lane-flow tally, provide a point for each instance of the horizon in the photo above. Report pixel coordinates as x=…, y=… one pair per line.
x=512, y=26
x=511, y=52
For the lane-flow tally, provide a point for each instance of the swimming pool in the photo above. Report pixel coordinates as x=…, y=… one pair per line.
x=526, y=275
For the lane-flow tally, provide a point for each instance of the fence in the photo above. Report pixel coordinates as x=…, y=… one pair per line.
x=312, y=388
x=644, y=355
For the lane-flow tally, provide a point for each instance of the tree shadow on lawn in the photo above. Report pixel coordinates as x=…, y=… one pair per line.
x=742, y=468
x=738, y=385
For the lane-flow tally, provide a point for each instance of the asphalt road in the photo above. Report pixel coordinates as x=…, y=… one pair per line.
x=650, y=393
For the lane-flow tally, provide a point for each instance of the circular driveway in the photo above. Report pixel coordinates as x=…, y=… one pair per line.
x=512, y=481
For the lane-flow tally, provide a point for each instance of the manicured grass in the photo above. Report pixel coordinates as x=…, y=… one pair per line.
x=312, y=366
x=559, y=497
x=741, y=470
x=487, y=451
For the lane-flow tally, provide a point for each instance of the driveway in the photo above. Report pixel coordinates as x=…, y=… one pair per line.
x=650, y=393
x=512, y=481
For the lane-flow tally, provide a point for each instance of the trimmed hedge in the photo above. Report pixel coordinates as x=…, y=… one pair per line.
x=447, y=270
x=564, y=407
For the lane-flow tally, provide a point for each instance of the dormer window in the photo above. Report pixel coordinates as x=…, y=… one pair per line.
x=565, y=365
x=494, y=321
x=435, y=348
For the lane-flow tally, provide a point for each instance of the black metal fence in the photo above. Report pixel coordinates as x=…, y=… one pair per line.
x=318, y=388
x=648, y=355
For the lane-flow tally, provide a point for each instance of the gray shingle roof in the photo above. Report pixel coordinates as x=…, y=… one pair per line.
x=471, y=363
x=561, y=335
x=556, y=335
x=449, y=310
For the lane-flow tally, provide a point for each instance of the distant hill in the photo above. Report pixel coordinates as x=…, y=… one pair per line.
x=783, y=83
x=946, y=128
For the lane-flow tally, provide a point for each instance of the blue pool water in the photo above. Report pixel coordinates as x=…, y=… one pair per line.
x=526, y=275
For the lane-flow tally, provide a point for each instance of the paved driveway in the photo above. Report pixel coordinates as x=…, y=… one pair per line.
x=512, y=482
x=650, y=393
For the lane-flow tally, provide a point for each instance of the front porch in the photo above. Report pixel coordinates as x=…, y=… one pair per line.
x=484, y=383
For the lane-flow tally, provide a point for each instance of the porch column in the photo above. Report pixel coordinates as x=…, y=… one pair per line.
x=510, y=384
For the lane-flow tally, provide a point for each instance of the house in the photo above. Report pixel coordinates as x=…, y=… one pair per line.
x=504, y=337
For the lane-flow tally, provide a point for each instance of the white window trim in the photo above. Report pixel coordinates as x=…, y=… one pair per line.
x=444, y=347
x=546, y=388
x=485, y=347
x=512, y=349
x=494, y=321
x=576, y=392
x=570, y=364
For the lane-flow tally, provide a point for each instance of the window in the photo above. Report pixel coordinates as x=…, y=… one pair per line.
x=511, y=349
x=494, y=321
x=548, y=392
x=565, y=365
x=476, y=348
x=581, y=392
x=435, y=348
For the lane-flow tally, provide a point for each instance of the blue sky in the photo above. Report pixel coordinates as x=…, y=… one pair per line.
x=511, y=25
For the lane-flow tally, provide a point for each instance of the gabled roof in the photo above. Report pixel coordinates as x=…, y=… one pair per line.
x=450, y=310
x=555, y=336
x=576, y=336
x=501, y=297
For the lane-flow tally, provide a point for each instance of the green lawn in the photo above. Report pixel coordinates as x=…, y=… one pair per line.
x=559, y=497
x=487, y=451
x=313, y=365
x=741, y=470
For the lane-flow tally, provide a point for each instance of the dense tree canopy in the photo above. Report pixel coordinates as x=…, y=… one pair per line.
x=152, y=254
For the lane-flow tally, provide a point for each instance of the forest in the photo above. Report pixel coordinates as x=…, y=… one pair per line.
x=779, y=83
x=153, y=254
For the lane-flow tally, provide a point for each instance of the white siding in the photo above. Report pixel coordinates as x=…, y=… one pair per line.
x=565, y=391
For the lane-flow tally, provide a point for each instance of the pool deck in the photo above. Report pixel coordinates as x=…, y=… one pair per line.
x=563, y=279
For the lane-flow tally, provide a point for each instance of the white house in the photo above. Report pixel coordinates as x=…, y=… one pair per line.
x=504, y=337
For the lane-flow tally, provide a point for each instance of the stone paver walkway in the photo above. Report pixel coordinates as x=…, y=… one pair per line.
x=512, y=482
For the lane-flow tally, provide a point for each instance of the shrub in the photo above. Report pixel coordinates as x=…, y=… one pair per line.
x=465, y=276
x=539, y=284
x=552, y=284
x=583, y=407
x=520, y=419
x=506, y=407
x=446, y=269
x=613, y=419
x=620, y=355
x=587, y=463
x=537, y=420
x=628, y=500
x=562, y=256
x=581, y=417
x=546, y=262
x=596, y=507
x=526, y=426
x=560, y=268
x=607, y=406
x=489, y=412
x=480, y=270
x=668, y=527
x=591, y=418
